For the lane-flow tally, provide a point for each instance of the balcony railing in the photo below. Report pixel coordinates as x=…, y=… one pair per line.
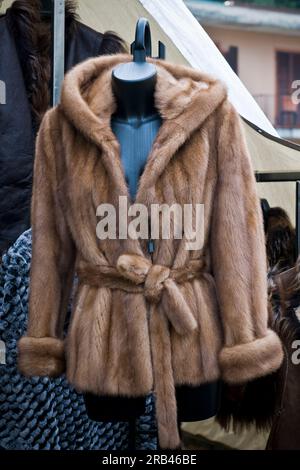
x=281, y=110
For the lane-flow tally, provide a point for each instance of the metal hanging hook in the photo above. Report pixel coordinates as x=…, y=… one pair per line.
x=142, y=46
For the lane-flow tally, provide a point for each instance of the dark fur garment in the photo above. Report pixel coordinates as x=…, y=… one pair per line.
x=280, y=238
x=33, y=40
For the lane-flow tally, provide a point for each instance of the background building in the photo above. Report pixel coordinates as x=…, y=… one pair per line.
x=262, y=46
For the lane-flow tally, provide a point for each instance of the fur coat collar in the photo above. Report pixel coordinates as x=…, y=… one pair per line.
x=183, y=99
x=140, y=322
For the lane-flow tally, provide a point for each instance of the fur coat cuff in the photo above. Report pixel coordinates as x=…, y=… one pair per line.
x=245, y=362
x=41, y=356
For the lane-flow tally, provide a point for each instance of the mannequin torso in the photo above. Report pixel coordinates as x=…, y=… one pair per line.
x=135, y=124
x=136, y=138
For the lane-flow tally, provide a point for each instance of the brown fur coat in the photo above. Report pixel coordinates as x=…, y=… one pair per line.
x=186, y=317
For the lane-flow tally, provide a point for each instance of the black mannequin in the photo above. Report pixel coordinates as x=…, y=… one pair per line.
x=135, y=124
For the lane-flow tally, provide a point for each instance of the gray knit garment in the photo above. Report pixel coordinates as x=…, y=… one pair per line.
x=43, y=413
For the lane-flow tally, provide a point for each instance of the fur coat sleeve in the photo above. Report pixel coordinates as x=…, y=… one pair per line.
x=41, y=351
x=239, y=260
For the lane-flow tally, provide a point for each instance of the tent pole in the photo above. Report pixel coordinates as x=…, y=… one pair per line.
x=298, y=218
x=58, y=49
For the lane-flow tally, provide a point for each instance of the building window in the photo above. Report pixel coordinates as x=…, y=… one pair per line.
x=231, y=55
x=288, y=70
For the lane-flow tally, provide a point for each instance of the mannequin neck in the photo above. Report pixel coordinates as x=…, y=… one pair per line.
x=135, y=99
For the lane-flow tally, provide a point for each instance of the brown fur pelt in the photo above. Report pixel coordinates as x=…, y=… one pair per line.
x=184, y=316
x=33, y=41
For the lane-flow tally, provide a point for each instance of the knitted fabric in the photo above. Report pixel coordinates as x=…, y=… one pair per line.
x=44, y=413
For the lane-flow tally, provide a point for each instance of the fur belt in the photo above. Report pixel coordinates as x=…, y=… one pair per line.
x=160, y=286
